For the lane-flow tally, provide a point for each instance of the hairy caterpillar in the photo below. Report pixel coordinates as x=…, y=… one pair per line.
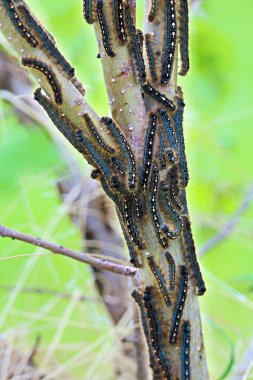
x=185, y=352
x=134, y=46
x=151, y=56
x=160, y=278
x=49, y=74
x=170, y=37
x=96, y=134
x=17, y=23
x=184, y=36
x=118, y=15
x=104, y=29
x=125, y=147
x=160, y=98
x=179, y=307
x=148, y=150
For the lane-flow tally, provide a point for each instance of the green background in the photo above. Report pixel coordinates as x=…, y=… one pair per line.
x=219, y=139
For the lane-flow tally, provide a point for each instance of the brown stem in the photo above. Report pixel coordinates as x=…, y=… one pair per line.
x=59, y=249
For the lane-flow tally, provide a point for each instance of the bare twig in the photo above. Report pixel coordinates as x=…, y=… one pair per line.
x=229, y=227
x=59, y=249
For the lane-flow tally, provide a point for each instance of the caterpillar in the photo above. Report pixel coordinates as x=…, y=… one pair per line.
x=151, y=56
x=97, y=135
x=119, y=20
x=172, y=270
x=125, y=147
x=128, y=217
x=139, y=206
x=117, y=163
x=45, y=40
x=140, y=39
x=104, y=29
x=190, y=254
x=183, y=200
x=160, y=98
x=17, y=23
x=156, y=333
x=180, y=135
x=60, y=121
x=173, y=187
x=137, y=296
x=111, y=194
x=49, y=74
x=92, y=155
x=148, y=150
x=134, y=46
x=174, y=216
x=185, y=352
x=160, y=279
x=88, y=11
x=169, y=130
x=133, y=252
x=170, y=37
x=153, y=207
x=162, y=151
x=153, y=10
x=184, y=36
x=179, y=307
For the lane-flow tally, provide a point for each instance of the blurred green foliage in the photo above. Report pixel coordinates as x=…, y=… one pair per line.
x=219, y=135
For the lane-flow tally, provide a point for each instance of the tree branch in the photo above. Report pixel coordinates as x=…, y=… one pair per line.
x=39, y=54
x=124, y=92
x=61, y=250
x=146, y=177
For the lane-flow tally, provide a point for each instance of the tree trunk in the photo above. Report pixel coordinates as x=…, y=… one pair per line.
x=138, y=156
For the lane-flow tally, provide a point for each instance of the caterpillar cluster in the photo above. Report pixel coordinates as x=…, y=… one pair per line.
x=156, y=334
x=150, y=190
x=175, y=22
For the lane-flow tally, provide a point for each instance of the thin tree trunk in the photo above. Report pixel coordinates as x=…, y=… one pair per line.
x=139, y=157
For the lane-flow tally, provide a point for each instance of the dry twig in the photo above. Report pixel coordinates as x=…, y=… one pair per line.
x=59, y=249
